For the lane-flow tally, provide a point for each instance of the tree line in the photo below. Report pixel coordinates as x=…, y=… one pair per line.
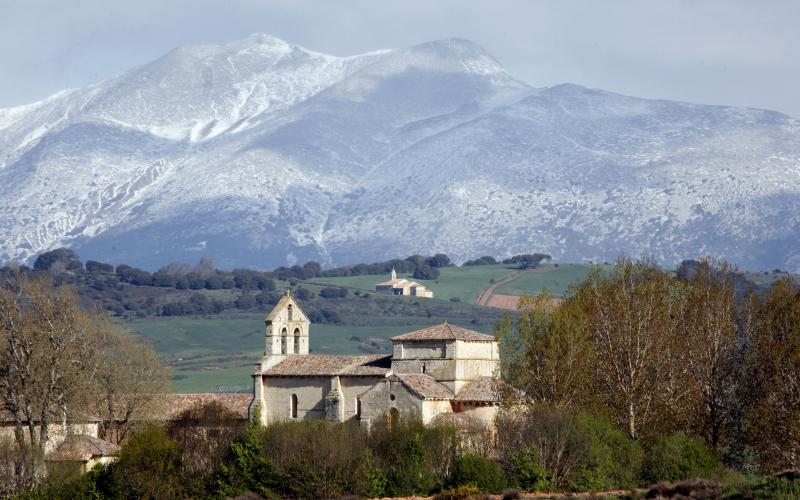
x=660, y=355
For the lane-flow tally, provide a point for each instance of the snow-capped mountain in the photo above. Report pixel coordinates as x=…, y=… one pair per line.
x=260, y=153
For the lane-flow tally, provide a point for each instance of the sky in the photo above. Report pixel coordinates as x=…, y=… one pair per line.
x=733, y=52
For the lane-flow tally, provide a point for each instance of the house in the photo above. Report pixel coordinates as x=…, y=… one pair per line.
x=72, y=444
x=439, y=370
x=402, y=286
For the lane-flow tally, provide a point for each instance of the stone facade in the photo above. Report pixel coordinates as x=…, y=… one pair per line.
x=440, y=370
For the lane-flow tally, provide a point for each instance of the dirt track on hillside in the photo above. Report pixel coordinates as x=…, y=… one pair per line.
x=489, y=299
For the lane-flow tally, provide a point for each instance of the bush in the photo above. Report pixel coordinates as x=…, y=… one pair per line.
x=612, y=460
x=478, y=471
x=677, y=457
x=150, y=465
x=527, y=473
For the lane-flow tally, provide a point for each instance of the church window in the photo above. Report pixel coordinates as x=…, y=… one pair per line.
x=391, y=397
x=293, y=409
x=297, y=341
x=283, y=341
x=358, y=408
x=423, y=368
x=289, y=309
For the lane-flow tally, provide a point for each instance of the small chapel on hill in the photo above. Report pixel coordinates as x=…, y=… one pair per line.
x=442, y=371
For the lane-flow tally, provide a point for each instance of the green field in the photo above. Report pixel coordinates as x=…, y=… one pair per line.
x=465, y=283
x=219, y=354
x=556, y=280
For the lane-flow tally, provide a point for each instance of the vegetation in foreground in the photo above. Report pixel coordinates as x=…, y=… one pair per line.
x=316, y=459
x=639, y=377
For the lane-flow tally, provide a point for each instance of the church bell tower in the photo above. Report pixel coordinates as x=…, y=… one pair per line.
x=287, y=329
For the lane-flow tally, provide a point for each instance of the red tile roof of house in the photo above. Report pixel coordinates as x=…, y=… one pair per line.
x=82, y=447
x=445, y=331
x=482, y=390
x=321, y=365
x=425, y=386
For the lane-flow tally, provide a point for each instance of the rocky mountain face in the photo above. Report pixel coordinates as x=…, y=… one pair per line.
x=260, y=153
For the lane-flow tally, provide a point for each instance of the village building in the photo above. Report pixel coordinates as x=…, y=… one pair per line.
x=439, y=371
x=402, y=286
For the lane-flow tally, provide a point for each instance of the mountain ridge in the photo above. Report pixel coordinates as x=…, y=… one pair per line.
x=259, y=153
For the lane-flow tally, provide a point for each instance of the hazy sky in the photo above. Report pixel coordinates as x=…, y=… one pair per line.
x=740, y=52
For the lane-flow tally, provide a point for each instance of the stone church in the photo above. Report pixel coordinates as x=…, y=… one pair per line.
x=442, y=371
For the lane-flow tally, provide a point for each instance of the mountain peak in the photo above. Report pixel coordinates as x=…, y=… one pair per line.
x=470, y=55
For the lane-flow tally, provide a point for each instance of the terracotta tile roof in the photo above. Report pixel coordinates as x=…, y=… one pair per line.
x=7, y=417
x=425, y=386
x=82, y=447
x=482, y=390
x=320, y=365
x=445, y=331
x=173, y=405
x=460, y=421
x=395, y=282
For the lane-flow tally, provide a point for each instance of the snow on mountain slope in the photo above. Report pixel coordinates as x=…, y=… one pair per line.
x=260, y=153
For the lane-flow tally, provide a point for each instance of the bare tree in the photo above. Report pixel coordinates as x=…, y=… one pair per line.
x=710, y=334
x=632, y=320
x=129, y=378
x=49, y=351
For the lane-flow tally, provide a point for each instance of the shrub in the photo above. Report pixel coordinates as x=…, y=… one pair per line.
x=612, y=459
x=527, y=473
x=150, y=465
x=463, y=492
x=677, y=457
x=478, y=471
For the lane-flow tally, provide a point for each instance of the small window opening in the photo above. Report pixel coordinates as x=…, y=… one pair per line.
x=290, y=312
x=293, y=410
x=391, y=397
x=358, y=408
x=284, y=347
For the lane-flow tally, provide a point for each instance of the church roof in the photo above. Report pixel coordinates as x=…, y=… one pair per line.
x=445, y=331
x=483, y=390
x=425, y=386
x=173, y=405
x=82, y=447
x=321, y=365
x=395, y=282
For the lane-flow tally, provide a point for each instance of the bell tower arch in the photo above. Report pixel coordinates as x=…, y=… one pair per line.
x=287, y=329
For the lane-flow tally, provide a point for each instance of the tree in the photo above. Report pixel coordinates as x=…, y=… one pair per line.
x=64, y=256
x=49, y=348
x=710, y=333
x=129, y=377
x=771, y=391
x=426, y=273
x=58, y=362
x=439, y=260
x=548, y=355
x=632, y=320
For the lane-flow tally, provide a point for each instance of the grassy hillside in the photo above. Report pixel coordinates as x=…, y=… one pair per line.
x=218, y=353
x=464, y=283
x=556, y=280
